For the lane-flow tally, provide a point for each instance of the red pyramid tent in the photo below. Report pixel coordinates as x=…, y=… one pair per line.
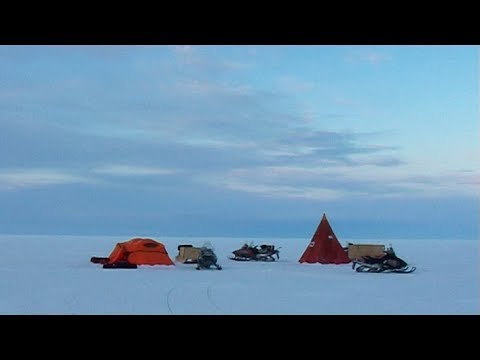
x=324, y=247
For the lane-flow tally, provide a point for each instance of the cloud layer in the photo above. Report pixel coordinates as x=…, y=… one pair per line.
x=203, y=131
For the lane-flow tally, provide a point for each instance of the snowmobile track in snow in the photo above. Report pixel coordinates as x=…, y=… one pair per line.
x=169, y=294
x=209, y=295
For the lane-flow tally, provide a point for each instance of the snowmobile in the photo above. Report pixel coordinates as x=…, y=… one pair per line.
x=207, y=259
x=263, y=252
x=388, y=263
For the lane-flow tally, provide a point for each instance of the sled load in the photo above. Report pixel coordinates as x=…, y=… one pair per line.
x=358, y=251
x=187, y=254
x=207, y=259
x=138, y=251
x=389, y=262
x=250, y=252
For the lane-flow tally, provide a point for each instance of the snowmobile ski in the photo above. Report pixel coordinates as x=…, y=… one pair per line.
x=372, y=269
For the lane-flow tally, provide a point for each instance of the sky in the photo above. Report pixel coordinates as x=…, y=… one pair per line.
x=240, y=140
x=55, y=276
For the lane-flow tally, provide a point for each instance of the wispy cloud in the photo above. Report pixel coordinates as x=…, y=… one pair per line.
x=194, y=86
x=334, y=181
x=468, y=178
x=252, y=51
x=285, y=192
x=367, y=56
x=185, y=52
x=292, y=84
x=236, y=65
x=219, y=144
x=11, y=179
x=345, y=102
x=182, y=49
x=210, y=123
x=238, y=131
x=132, y=170
x=275, y=182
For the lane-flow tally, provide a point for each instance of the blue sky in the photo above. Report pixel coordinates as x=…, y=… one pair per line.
x=240, y=140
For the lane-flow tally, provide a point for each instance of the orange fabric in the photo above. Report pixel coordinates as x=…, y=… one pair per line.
x=324, y=247
x=117, y=254
x=140, y=252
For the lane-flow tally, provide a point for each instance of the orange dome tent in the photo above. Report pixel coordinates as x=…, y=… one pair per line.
x=134, y=252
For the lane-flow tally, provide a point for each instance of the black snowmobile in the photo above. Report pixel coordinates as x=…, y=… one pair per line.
x=388, y=263
x=207, y=259
x=263, y=252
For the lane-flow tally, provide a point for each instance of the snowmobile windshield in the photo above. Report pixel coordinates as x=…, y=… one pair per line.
x=208, y=245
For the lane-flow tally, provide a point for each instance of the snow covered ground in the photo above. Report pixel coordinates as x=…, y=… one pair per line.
x=53, y=275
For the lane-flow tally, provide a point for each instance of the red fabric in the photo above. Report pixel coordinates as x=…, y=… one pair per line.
x=324, y=247
x=140, y=252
